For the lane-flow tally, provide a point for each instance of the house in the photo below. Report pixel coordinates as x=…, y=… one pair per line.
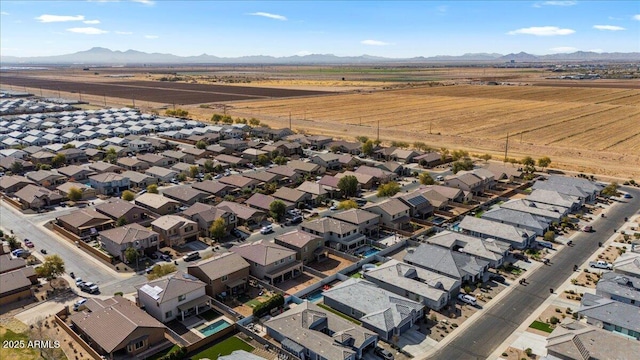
x=8, y=164
x=306, y=168
x=263, y=176
x=41, y=157
x=287, y=174
x=364, y=181
x=87, y=191
x=13, y=183
x=431, y=289
x=119, y=209
x=583, y=189
x=139, y=146
x=163, y=175
x=246, y=215
x=175, y=230
x=103, y=167
x=337, y=234
x=554, y=198
x=17, y=285
x=157, y=203
x=379, y=310
x=627, y=264
x=318, y=192
x=116, y=241
x=345, y=147
x=380, y=176
x=205, y=215
x=231, y=160
x=518, y=238
x=465, y=181
x=419, y=205
x=523, y=220
x=234, y=144
x=133, y=164
x=284, y=148
x=621, y=288
x=10, y=263
x=179, y=156
x=76, y=172
x=405, y=156
x=212, y=187
x=493, y=251
x=46, y=178
x=394, y=167
x=309, y=331
x=37, y=197
x=109, y=183
x=156, y=160
x=328, y=161
x=348, y=161
x=253, y=154
x=239, y=182
x=176, y=296
x=611, y=315
x=227, y=273
x=308, y=247
x=456, y=265
x=297, y=197
x=74, y=156
x=319, y=141
x=185, y=194
x=136, y=331
x=85, y=222
x=429, y=160
x=573, y=339
x=263, y=202
x=270, y=262
x=551, y=213
x=367, y=222
x=139, y=180
x=453, y=195
x=393, y=213
x=503, y=172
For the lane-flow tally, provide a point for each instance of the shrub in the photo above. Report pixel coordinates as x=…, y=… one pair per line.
x=265, y=307
x=119, y=293
x=528, y=351
x=554, y=320
x=504, y=354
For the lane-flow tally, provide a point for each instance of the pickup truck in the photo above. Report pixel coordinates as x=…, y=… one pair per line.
x=601, y=265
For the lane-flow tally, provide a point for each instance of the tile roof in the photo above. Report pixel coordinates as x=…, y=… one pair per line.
x=80, y=218
x=355, y=216
x=610, y=311
x=221, y=265
x=128, y=234
x=154, y=201
x=208, y=213
x=168, y=222
x=297, y=238
x=326, y=225
x=173, y=286
x=499, y=231
x=262, y=252
x=242, y=211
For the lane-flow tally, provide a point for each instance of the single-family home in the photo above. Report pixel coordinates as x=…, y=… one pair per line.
x=133, y=164
x=337, y=234
x=306, y=168
x=622, y=288
x=239, y=182
x=379, y=310
x=87, y=191
x=611, y=315
x=551, y=213
x=17, y=284
x=46, y=178
x=176, y=296
x=175, y=230
x=419, y=205
x=109, y=183
x=85, y=222
x=212, y=187
x=139, y=180
x=466, y=181
x=524, y=220
x=263, y=202
x=554, y=198
x=380, y=176
x=491, y=250
x=103, y=167
x=74, y=156
x=441, y=260
x=583, y=189
x=328, y=161
x=157, y=203
x=393, y=212
x=139, y=146
x=518, y=238
x=308, y=247
x=317, y=192
x=367, y=222
x=287, y=174
x=185, y=194
x=37, y=197
x=227, y=273
x=75, y=172
x=119, y=209
x=246, y=215
x=628, y=264
x=117, y=240
x=156, y=160
x=297, y=197
x=179, y=156
x=163, y=175
x=505, y=173
x=270, y=262
x=205, y=215
x=13, y=183
x=429, y=160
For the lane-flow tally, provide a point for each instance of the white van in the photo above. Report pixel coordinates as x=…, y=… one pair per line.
x=468, y=299
x=439, y=178
x=191, y=256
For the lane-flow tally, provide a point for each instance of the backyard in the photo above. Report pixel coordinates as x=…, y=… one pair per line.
x=225, y=347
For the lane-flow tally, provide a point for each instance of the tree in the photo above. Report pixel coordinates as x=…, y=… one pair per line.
x=460, y=165
x=444, y=153
x=128, y=195
x=17, y=167
x=544, y=162
x=208, y=166
x=111, y=156
x=152, y=189
x=52, y=266
x=193, y=171
x=270, y=188
x=218, y=229
x=131, y=255
x=347, y=204
x=426, y=179
x=161, y=270
x=263, y=160
x=208, y=177
x=216, y=118
x=485, y=157
x=388, y=189
x=122, y=221
x=400, y=144
x=459, y=154
x=334, y=148
x=529, y=164
x=58, y=160
x=362, y=139
x=69, y=146
x=549, y=236
x=277, y=209
x=280, y=160
x=254, y=122
x=181, y=177
x=348, y=185
x=226, y=119
x=75, y=194
x=610, y=190
x=367, y=148
x=201, y=145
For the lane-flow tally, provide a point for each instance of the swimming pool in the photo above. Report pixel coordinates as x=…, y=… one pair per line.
x=438, y=220
x=369, y=252
x=455, y=228
x=314, y=296
x=214, y=327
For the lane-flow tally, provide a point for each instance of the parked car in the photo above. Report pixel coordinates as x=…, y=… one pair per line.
x=545, y=244
x=164, y=257
x=497, y=278
x=89, y=287
x=20, y=253
x=600, y=264
x=294, y=220
x=191, y=256
x=175, y=181
x=627, y=196
x=466, y=298
x=79, y=282
x=28, y=243
x=439, y=178
x=587, y=228
x=266, y=229
x=333, y=208
x=79, y=305
x=383, y=353
x=149, y=270
x=218, y=177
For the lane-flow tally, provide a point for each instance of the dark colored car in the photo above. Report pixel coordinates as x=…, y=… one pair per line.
x=497, y=278
x=383, y=353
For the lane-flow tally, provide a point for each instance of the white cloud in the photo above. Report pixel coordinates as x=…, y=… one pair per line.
x=564, y=49
x=145, y=2
x=555, y=3
x=542, y=31
x=636, y=17
x=608, y=27
x=596, y=50
x=59, y=18
x=151, y=36
x=123, y=32
x=4, y=13
x=269, y=15
x=91, y=21
x=374, y=43
x=87, y=31
x=303, y=53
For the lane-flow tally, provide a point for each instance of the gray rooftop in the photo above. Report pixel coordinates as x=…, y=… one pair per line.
x=445, y=261
x=610, y=311
x=535, y=208
x=484, y=248
x=523, y=219
x=495, y=230
x=619, y=285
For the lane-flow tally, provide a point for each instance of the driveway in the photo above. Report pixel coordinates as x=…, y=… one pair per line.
x=415, y=342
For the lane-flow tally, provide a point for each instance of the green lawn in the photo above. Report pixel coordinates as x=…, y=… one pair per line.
x=225, y=347
x=538, y=325
x=157, y=356
x=340, y=314
x=357, y=275
x=15, y=352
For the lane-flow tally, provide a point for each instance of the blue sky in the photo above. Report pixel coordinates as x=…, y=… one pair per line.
x=383, y=28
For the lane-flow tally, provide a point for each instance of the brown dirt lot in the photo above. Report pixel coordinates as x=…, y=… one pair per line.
x=331, y=265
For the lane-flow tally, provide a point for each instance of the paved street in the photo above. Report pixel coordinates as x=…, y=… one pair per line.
x=480, y=339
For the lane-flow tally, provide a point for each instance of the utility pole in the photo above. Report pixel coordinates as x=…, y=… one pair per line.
x=289, y=119
x=506, y=148
x=104, y=95
x=430, y=122
x=378, y=138
x=134, y=101
x=80, y=93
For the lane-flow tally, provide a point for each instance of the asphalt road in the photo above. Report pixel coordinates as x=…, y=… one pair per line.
x=482, y=337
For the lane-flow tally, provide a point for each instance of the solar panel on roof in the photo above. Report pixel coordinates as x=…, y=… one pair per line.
x=418, y=200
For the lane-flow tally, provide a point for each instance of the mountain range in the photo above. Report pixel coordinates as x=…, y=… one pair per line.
x=103, y=56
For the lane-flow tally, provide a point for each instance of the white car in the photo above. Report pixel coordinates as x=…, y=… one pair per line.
x=465, y=298
x=439, y=178
x=266, y=229
x=79, y=305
